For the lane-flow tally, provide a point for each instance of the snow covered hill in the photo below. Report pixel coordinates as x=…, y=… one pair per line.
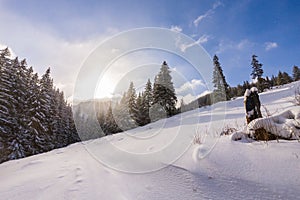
x=160, y=161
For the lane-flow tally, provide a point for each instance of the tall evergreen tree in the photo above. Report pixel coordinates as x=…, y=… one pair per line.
x=163, y=90
x=110, y=123
x=141, y=111
x=257, y=70
x=147, y=100
x=286, y=78
x=279, y=79
x=34, y=117
x=296, y=73
x=126, y=111
x=132, y=108
x=221, y=91
x=273, y=81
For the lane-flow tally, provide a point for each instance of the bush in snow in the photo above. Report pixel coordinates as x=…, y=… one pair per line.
x=198, y=137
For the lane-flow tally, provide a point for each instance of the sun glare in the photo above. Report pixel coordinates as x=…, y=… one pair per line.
x=105, y=88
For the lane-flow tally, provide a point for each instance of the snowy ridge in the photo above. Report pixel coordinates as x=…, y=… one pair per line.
x=217, y=169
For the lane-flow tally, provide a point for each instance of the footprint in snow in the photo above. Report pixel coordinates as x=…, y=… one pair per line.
x=150, y=148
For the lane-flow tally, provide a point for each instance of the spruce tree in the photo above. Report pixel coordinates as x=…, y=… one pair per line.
x=110, y=123
x=45, y=112
x=296, y=73
x=126, y=110
x=279, y=79
x=286, y=78
x=273, y=81
x=132, y=108
x=141, y=111
x=221, y=91
x=6, y=104
x=147, y=100
x=34, y=117
x=257, y=70
x=164, y=92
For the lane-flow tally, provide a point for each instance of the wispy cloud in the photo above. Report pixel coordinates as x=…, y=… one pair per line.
x=217, y=4
x=42, y=49
x=176, y=28
x=232, y=45
x=270, y=45
x=207, y=13
x=201, y=40
x=190, y=85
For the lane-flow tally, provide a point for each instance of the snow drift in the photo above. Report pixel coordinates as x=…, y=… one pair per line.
x=214, y=169
x=284, y=125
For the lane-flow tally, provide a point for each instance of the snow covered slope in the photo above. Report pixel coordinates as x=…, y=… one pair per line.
x=159, y=161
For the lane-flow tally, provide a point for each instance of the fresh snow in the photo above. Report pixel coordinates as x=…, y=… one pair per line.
x=159, y=161
x=285, y=125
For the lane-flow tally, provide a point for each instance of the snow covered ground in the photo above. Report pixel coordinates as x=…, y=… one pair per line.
x=159, y=161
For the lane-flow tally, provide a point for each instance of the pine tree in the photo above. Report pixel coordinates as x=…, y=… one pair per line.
x=6, y=104
x=141, y=111
x=221, y=91
x=132, y=108
x=110, y=123
x=101, y=117
x=273, y=81
x=45, y=112
x=286, y=78
x=34, y=117
x=246, y=85
x=147, y=100
x=164, y=92
x=296, y=73
x=262, y=84
x=279, y=79
x=257, y=70
x=33, y=112
x=126, y=110
x=240, y=90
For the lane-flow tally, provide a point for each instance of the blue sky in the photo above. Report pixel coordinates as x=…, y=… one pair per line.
x=61, y=34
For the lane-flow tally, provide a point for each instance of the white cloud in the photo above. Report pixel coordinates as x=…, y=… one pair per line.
x=270, y=45
x=244, y=44
x=176, y=28
x=201, y=17
x=217, y=4
x=201, y=40
x=190, y=85
x=207, y=13
x=43, y=48
x=194, y=35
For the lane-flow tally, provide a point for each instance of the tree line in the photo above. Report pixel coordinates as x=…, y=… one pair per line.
x=223, y=92
x=262, y=83
x=156, y=101
x=34, y=116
